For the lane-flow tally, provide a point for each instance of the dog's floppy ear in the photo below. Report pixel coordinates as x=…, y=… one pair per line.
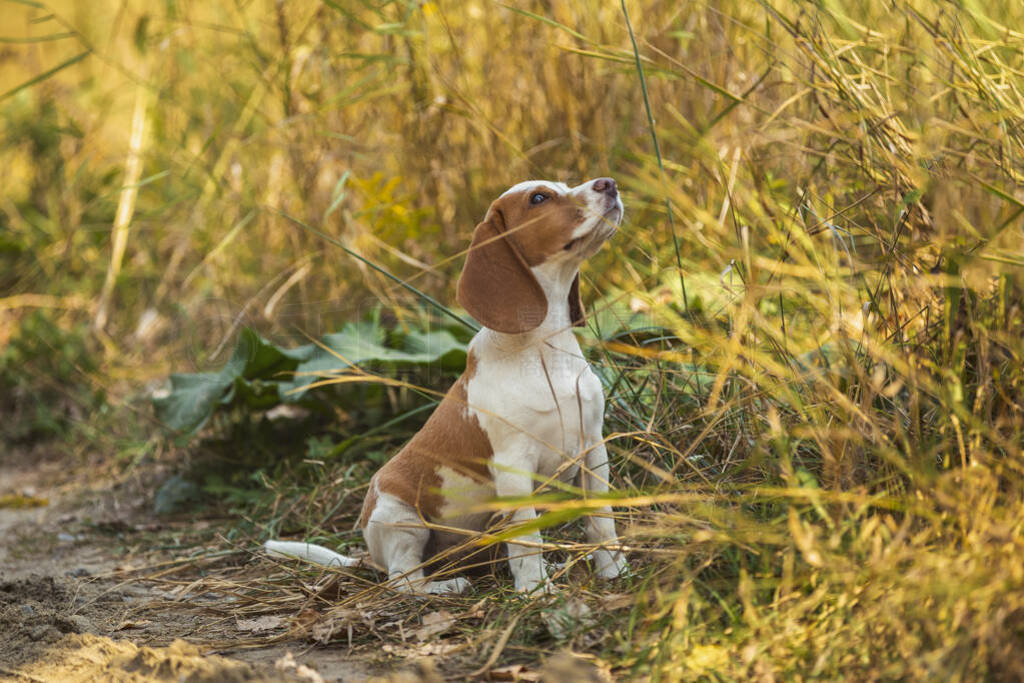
x=497, y=286
x=576, y=313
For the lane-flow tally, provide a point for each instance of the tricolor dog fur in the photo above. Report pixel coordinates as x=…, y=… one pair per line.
x=528, y=408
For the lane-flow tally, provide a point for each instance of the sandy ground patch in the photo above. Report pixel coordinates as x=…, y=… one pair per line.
x=67, y=612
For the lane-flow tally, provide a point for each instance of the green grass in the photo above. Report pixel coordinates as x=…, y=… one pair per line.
x=809, y=327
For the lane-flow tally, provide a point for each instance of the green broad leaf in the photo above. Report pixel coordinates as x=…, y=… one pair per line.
x=192, y=400
x=260, y=375
x=256, y=394
x=438, y=346
x=364, y=342
x=194, y=397
x=265, y=360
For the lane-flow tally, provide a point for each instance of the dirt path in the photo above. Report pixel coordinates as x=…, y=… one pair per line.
x=70, y=609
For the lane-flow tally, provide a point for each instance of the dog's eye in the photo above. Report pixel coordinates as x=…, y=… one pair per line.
x=570, y=244
x=538, y=197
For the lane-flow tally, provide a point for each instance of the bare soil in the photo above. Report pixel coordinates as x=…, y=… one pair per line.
x=73, y=608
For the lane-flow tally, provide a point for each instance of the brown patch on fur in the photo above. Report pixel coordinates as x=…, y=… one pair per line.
x=470, y=371
x=369, y=503
x=538, y=230
x=576, y=312
x=450, y=438
x=497, y=286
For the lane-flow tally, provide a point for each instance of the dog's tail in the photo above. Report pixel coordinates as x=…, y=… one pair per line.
x=311, y=553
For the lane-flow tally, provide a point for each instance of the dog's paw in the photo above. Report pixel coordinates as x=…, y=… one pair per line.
x=535, y=586
x=448, y=587
x=609, y=565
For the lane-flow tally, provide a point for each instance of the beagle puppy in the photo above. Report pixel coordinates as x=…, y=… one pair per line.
x=527, y=410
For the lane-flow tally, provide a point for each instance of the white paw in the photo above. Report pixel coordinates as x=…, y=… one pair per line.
x=420, y=586
x=454, y=586
x=609, y=565
x=537, y=585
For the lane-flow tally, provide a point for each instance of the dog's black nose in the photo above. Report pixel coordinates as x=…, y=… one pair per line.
x=606, y=186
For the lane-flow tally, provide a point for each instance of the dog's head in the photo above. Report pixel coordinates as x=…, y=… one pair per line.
x=535, y=227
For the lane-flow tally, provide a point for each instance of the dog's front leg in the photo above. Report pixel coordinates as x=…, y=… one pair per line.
x=512, y=478
x=600, y=526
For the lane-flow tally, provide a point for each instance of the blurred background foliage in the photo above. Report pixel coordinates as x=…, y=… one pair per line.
x=810, y=322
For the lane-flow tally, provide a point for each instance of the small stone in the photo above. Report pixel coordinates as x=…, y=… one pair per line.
x=79, y=572
x=44, y=632
x=28, y=611
x=82, y=624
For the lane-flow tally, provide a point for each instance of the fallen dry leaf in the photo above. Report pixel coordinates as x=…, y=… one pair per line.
x=307, y=617
x=259, y=624
x=323, y=630
x=441, y=647
x=131, y=624
x=614, y=601
x=434, y=624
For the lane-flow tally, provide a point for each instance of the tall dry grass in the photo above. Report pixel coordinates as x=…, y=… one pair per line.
x=814, y=367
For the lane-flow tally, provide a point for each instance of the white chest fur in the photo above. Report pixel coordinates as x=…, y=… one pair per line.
x=539, y=402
